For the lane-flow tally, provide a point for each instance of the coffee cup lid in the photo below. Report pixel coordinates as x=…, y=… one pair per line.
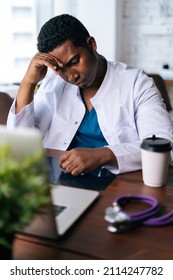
x=156, y=144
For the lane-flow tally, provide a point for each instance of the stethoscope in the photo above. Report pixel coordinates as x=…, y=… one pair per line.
x=120, y=221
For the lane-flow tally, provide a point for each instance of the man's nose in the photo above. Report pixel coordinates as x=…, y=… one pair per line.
x=72, y=76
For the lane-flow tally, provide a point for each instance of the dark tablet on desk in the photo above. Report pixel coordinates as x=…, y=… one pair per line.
x=86, y=181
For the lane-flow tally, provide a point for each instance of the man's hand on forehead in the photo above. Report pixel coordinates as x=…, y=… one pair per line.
x=58, y=63
x=50, y=61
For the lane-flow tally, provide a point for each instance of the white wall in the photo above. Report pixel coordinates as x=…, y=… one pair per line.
x=148, y=33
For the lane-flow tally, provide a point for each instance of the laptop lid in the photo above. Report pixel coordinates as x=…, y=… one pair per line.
x=68, y=204
x=23, y=141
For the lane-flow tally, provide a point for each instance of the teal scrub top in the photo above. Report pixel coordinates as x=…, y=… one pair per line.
x=89, y=134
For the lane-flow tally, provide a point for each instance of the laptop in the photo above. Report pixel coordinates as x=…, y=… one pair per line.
x=68, y=203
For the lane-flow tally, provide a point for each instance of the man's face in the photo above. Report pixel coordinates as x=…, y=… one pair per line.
x=76, y=65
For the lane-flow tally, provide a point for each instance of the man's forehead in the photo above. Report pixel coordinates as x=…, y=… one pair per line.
x=64, y=53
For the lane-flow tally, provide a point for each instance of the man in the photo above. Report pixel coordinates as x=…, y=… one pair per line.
x=98, y=112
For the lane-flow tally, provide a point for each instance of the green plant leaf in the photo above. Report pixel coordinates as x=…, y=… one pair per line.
x=24, y=190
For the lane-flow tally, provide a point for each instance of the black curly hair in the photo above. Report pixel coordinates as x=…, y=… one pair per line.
x=59, y=29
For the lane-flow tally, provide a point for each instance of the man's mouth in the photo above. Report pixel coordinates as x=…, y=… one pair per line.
x=81, y=84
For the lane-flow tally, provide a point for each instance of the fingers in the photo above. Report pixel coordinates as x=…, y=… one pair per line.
x=39, y=64
x=43, y=59
x=68, y=166
x=71, y=164
x=80, y=160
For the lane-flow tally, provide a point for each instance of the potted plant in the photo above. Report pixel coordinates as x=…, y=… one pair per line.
x=23, y=194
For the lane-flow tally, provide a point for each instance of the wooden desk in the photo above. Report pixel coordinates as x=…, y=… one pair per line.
x=89, y=238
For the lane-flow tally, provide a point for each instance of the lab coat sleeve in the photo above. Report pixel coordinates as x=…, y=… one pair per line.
x=35, y=114
x=25, y=118
x=151, y=118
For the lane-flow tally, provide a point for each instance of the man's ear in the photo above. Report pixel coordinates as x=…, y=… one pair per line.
x=92, y=43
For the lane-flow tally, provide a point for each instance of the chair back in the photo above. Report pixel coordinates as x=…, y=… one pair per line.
x=160, y=84
x=5, y=104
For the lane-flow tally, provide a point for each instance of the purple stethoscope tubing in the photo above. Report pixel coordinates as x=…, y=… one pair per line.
x=146, y=217
x=164, y=220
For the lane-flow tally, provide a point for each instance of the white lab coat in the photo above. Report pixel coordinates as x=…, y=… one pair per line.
x=128, y=106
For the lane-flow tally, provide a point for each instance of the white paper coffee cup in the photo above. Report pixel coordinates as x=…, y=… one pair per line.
x=155, y=153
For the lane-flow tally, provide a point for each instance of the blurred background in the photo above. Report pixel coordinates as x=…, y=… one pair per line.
x=136, y=32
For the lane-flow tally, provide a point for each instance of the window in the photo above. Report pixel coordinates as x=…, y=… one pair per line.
x=20, y=21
